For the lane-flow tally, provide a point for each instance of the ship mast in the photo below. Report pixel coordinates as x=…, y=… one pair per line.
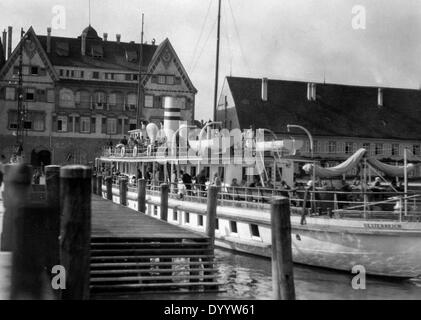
x=140, y=92
x=215, y=101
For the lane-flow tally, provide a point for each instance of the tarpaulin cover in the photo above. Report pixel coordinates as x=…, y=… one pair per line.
x=340, y=169
x=352, y=162
x=395, y=171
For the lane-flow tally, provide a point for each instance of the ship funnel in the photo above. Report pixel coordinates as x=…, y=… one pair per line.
x=171, y=117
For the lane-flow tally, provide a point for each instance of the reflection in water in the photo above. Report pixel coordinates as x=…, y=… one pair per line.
x=249, y=277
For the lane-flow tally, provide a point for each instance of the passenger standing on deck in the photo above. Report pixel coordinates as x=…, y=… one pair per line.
x=2, y=163
x=187, y=180
x=217, y=181
x=201, y=180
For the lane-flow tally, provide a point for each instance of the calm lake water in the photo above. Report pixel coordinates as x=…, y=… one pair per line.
x=249, y=277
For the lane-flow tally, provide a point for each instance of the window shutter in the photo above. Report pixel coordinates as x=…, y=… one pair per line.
x=119, y=126
x=177, y=80
x=157, y=102
x=77, y=124
x=93, y=125
x=55, y=124
x=104, y=125
x=154, y=79
x=41, y=96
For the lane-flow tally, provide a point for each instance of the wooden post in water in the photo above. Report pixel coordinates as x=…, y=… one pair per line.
x=75, y=237
x=141, y=195
x=99, y=184
x=211, y=214
x=94, y=184
x=164, y=201
x=109, y=185
x=123, y=190
x=26, y=235
x=52, y=182
x=282, y=264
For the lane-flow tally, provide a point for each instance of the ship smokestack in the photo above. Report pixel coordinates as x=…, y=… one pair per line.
x=265, y=89
x=9, y=44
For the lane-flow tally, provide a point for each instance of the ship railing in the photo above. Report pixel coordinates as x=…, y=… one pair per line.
x=330, y=203
x=142, y=151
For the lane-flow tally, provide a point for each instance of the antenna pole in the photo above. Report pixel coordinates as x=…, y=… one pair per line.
x=139, y=79
x=215, y=102
x=89, y=12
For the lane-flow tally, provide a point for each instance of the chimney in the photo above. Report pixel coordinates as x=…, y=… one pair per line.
x=48, y=40
x=9, y=42
x=265, y=89
x=105, y=36
x=83, y=45
x=313, y=91
x=118, y=36
x=380, y=97
x=4, y=43
x=309, y=91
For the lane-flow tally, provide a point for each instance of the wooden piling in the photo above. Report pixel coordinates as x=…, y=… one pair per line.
x=109, y=186
x=94, y=184
x=282, y=264
x=164, y=201
x=123, y=190
x=141, y=195
x=99, y=184
x=75, y=236
x=212, y=203
x=52, y=182
x=17, y=187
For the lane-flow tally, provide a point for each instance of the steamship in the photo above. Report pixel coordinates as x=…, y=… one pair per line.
x=380, y=231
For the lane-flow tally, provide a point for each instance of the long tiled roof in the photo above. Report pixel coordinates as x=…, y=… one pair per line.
x=114, y=53
x=339, y=110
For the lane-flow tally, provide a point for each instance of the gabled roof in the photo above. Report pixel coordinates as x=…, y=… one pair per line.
x=114, y=53
x=15, y=54
x=339, y=110
x=166, y=44
x=2, y=57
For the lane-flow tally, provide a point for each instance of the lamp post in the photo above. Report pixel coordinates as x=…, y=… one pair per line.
x=310, y=137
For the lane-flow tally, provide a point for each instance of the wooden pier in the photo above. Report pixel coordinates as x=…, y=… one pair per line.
x=132, y=252
x=105, y=248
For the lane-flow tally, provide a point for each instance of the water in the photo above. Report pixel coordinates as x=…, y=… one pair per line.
x=249, y=278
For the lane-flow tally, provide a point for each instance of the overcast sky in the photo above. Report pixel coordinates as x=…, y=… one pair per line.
x=278, y=39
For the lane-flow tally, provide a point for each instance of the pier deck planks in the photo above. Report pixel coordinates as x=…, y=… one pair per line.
x=116, y=221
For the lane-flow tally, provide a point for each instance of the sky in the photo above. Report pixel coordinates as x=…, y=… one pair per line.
x=360, y=42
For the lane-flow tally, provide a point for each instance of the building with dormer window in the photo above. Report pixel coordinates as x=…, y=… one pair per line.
x=82, y=92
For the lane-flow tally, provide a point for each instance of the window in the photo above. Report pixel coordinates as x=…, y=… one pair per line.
x=27, y=125
x=68, y=73
x=111, y=126
x=217, y=224
x=50, y=95
x=61, y=124
x=181, y=103
x=199, y=220
x=132, y=126
x=378, y=149
x=15, y=71
x=67, y=98
x=112, y=99
x=30, y=94
x=134, y=77
x=10, y=93
x=61, y=73
x=254, y=230
x=85, y=125
x=187, y=217
x=95, y=75
x=128, y=77
x=131, y=102
x=331, y=147
x=100, y=100
x=109, y=76
x=416, y=149
x=38, y=121
x=161, y=79
x=148, y=101
x=175, y=215
x=170, y=79
x=82, y=74
x=395, y=149
x=34, y=71
x=13, y=120
x=366, y=146
x=233, y=226
x=349, y=147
